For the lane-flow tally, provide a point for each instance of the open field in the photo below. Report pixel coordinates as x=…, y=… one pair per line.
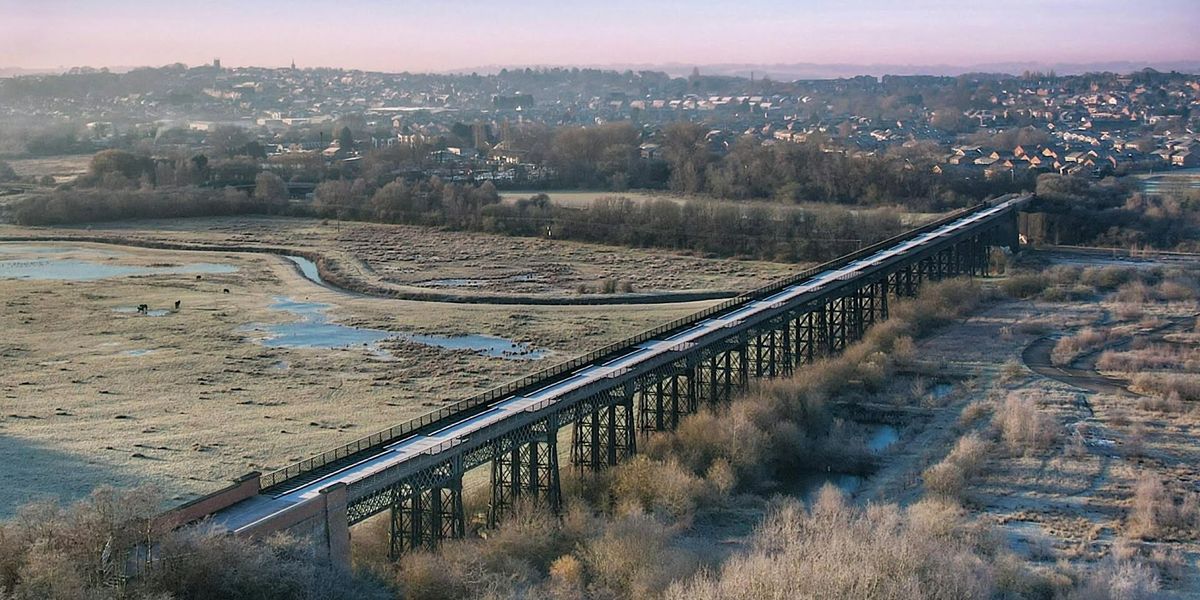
x=187, y=400
x=406, y=259
x=584, y=199
x=62, y=168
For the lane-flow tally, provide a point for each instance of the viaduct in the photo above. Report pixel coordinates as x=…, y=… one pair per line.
x=414, y=471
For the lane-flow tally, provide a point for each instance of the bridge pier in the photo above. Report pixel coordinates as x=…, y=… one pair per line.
x=715, y=377
x=423, y=518
x=605, y=436
x=806, y=337
x=526, y=468
x=883, y=290
x=665, y=399
x=769, y=351
x=337, y=527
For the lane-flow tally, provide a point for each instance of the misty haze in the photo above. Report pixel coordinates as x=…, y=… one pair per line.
x=605, y=301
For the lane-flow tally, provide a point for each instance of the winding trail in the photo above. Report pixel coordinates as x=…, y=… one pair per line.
x=338, y=281
x=1036, y=356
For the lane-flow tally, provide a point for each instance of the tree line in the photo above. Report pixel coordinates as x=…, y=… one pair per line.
x=754, y=230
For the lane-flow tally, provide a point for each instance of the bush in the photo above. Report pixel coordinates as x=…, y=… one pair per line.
x=1159, y=512
x=1106, y=278
x=1116, y=579
x=1182, y=386
x=1024, y=428
x=633, y=558
x=657, y=487
x=75, y=552
x=949, y=477
x=836, y=550
x=1067, y=349
x=1025, y=285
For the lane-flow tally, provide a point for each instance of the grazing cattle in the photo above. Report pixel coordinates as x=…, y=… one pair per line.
x=226, y=290
x=143, y=308
x=177, y=304
x=197, y=277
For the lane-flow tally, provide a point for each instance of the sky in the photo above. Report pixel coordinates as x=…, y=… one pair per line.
x=441, y=35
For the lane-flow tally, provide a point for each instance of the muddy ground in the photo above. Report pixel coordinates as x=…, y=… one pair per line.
x=404, y=258
x=92, y=392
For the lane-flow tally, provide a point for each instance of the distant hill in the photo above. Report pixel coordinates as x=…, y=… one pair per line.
x=789, y=71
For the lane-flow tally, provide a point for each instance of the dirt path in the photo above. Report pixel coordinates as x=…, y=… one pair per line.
x=1037, y=357
x=1082, y=372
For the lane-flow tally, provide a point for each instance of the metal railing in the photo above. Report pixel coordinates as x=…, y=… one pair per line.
x=548, y=375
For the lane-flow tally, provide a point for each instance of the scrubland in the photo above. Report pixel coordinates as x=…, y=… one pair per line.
x=1012, y=485
x=1005, y=482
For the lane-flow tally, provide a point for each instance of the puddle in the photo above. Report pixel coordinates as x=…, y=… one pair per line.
x=138, y=352
x=315, y=331
x=882, y=438
x=806, y=486
x=45, y=264
x=307, y=268
x=132, y=310
x=484, y=344
x=455, y=282
x=941, y=390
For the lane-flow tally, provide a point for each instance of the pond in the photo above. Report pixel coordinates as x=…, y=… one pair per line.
x=882, y=437
x=45, y=263
x=307, y=268
x=314, y=330
x=806, y=485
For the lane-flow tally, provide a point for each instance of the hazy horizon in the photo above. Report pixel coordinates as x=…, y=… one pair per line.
x=377, y=36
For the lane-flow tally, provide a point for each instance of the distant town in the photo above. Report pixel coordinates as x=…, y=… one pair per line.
x=473, y=128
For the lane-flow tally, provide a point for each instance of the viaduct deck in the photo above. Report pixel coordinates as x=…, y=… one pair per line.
x=768, y=332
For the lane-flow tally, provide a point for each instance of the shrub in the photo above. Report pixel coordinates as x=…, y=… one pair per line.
x=837, y=550
x=1157, y=511
x=1012, y=371
x=634, y=558
x=949, y=477
x=1024, y=428
x=1116, y=579
x=658, y=487
x=1025, y=285
x=1106, y=278
x=1067, y=349
x=1183, y=386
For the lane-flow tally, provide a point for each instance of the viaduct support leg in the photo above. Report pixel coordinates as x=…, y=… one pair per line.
x=423, y=518
x=528, y=469
x=605, y=436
